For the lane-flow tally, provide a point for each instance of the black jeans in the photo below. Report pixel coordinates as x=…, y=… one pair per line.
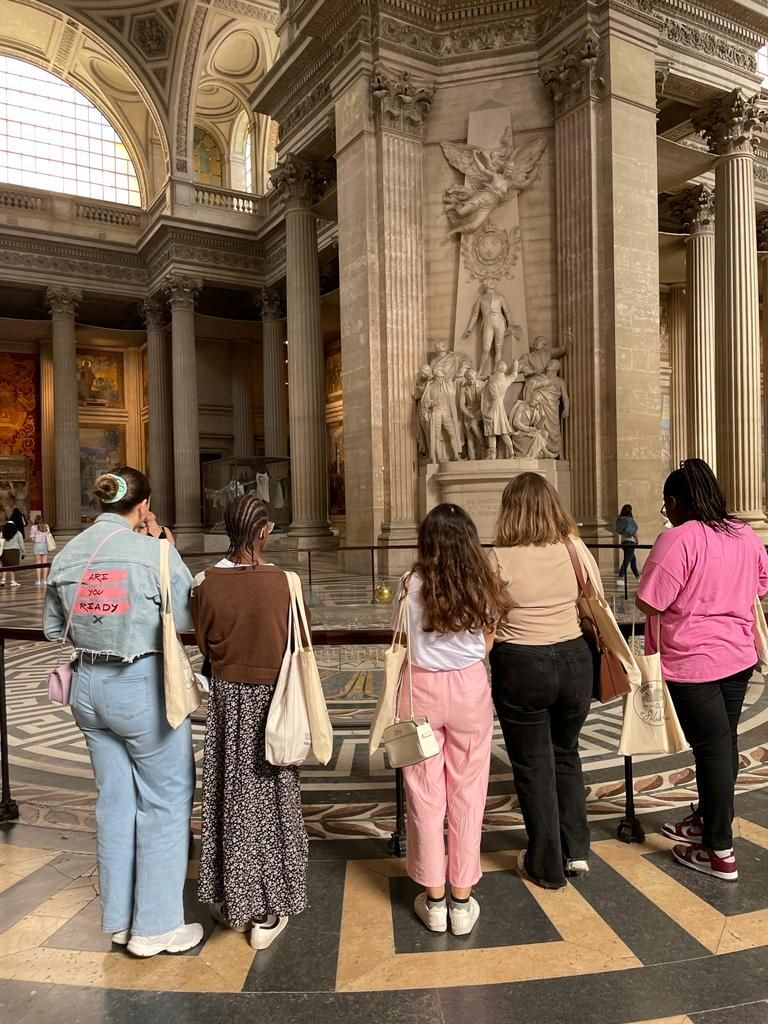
x=542, y=697
x=709, y=715
x=630, y=560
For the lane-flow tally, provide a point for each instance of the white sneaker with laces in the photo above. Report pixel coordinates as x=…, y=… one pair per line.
x=435, y=918
x=576, y=867
x=464, y=916
x=177, y=941
x=121, y=938
x=263, y=935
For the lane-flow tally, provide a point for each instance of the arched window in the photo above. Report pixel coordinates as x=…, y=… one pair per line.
x=52, y=137
x=206, y=159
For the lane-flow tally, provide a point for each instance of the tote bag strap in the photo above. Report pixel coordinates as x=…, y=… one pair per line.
x=298, y=613
x=408, y=664
x=399, y=631
x=88, y=565
x=585, y=587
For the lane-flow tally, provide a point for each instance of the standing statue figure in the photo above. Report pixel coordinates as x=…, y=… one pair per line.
x=541, y=354
x=528, y=435
x=423, y=413
x=553, y=394
x=491, y=308
x=452, y=365
x=440, y=407
x=470, y=403
x=495, y=422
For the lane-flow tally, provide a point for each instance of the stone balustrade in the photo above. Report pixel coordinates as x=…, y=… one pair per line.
x=227, y=199
x=22, y=199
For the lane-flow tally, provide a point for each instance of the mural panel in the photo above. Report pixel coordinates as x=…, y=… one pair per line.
x=101, y=448
x=19, y=420
x=100, y=379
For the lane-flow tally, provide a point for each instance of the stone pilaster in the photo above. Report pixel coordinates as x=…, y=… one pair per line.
x=182, y=292
x=160, y=410
x=679, y=368
x=63, y=302
x=695, y=209
x=762, y=245
x=730, y=127
x=242, y=400
x=274, y=370
x=298, y=183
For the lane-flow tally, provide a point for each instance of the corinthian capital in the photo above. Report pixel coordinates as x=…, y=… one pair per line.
x=63, y=301
x=730, y=124
x=298, y=181
x=694, y=209
x=153, y=314
x=577, y=75
x=182, y=290
x=399, y=102
x=271, y=303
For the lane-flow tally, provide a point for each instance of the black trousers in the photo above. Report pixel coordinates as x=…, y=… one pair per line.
x=630, y=560
x=542, y=697
x=709, y=715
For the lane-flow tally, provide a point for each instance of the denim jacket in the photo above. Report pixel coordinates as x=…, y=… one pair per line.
x=118, y=604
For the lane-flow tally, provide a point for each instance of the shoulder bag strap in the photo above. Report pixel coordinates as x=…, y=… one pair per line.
x=299, y=614
x=585, y=587
x=165, y=577
x=88, y=565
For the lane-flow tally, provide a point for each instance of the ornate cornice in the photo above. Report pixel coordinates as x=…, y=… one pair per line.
x=694, y=210
x=699, y=40
x=202, y=252
x=87, y=263
x=182, y=290
x=298, y=181
x=270, y=303
x=250, y=10
x=63, y=301
x=153, y=314
x=400, y=103
x=577, y=75
x=731, y=124
x=514, y=31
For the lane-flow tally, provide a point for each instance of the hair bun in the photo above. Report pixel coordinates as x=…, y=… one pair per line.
x=105, y=487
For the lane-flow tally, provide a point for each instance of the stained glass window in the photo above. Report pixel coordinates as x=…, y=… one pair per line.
x=53, y=138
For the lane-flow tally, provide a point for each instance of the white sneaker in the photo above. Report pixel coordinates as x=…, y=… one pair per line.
x=464, y=916
x=15, y=584
x=576, y=867
x=263, y=935
x=435, y=918
x=121, y=938
x=177, y=941
x=217, y=913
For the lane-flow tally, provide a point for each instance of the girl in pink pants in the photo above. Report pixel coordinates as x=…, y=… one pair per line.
x=455, y=601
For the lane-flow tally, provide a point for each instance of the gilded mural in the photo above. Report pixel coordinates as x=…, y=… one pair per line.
x=19, y=429
x=100, y=379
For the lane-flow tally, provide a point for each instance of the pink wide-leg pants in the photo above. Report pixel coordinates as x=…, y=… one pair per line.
x=454, y=783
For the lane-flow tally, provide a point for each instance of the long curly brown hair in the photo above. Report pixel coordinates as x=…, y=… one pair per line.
x=459, y=589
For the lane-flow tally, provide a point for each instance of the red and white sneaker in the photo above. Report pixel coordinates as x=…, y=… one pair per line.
x=689, y=830
x=707, y=862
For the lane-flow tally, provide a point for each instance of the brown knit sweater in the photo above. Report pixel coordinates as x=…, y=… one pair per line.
x=241, y=622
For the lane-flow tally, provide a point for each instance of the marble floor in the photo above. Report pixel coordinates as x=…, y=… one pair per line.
x=638, y=940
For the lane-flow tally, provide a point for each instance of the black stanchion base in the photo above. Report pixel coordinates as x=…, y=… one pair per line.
x=630, y=831
x=9, y=810
x=397, y=844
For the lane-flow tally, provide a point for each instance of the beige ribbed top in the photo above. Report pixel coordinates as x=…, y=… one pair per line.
x=542, y=584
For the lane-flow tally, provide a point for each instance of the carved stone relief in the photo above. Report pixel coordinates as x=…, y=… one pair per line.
x=577, y=75
x=400, y=102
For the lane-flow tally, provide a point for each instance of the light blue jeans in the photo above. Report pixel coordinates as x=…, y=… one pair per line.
x=145, y=777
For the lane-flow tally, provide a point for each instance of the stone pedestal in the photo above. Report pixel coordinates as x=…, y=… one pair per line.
x=63, y=302
x=274, y=372
x=161, y=442
x=478, y=486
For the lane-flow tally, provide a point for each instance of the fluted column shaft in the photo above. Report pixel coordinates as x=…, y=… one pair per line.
x=182, y=292
x=700, y=330
x=763, y=274
x=275, y=392
x=242, y=400
x=63, y=304
x=679, y=367
x=160, y=412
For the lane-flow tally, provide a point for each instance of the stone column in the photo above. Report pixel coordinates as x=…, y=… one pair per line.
x=729, y=126
x=63, y=302
x=695, y=209
x=182, y=292
x=762, y=244
x=297, y=182
x=242, y=400
x=678, y=364
x=274, y=370
x=160, y=410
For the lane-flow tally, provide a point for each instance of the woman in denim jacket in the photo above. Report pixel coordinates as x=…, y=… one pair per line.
x=144, y=770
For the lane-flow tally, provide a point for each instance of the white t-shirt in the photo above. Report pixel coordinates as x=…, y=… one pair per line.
x=438, y=652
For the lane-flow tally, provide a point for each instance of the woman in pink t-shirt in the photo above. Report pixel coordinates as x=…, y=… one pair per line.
x=702, y=578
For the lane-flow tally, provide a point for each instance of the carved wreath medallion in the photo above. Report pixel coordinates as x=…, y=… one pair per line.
x=491, y=252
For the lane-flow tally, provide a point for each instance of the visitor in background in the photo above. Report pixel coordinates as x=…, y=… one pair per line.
x=144, y=770
x=39, y=534
x=454, y=602
x=253, y=859
x=12, y=551
x=541, y=676
x=701, y=579
x=17, y=516
x=627, y=528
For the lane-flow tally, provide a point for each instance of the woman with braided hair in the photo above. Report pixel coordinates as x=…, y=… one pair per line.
x=253, y=861
x=700, y=584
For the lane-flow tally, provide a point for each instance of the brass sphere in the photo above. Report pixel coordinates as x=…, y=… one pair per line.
x=384, y=593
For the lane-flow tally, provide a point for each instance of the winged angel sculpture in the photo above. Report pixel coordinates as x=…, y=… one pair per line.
x=493, y=177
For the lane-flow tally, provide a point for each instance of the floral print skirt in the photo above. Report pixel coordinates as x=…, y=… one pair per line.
x=254, y=843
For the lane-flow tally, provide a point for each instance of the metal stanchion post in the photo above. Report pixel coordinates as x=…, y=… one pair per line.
x=630, y=830
x=397, y=839
x=9, y=809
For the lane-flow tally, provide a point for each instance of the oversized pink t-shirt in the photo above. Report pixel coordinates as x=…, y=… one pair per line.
x=704, y=581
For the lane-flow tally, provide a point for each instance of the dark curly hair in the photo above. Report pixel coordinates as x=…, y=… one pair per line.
x=244, y=519
x=696, y=486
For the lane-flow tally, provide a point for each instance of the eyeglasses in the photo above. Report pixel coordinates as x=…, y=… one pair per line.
x=270, y=527
x=663, y=510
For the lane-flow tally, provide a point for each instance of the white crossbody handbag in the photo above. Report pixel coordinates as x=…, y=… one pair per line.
x=409, y=740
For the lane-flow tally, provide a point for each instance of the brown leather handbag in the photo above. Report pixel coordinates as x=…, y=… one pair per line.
x=609, y=679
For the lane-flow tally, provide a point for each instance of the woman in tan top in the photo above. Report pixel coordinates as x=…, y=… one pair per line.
x=253, y=861
x=541, y=678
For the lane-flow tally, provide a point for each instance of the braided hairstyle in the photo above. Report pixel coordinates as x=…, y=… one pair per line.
x=244, y=519
x=696, y=486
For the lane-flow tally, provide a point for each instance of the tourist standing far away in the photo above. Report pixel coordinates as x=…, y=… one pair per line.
x=698, y=589
x=11, y=551
x=454, y=602
x=541, y=675
x=39, y=534
x=627, y=528
x=253, y=859
x=144, y=770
